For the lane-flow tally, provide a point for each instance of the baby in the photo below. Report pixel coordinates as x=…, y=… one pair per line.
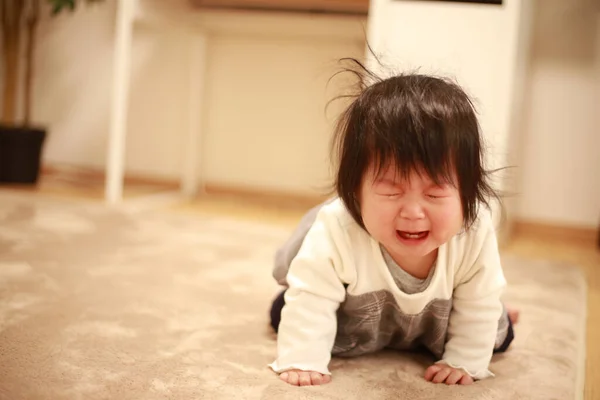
x=406, y=255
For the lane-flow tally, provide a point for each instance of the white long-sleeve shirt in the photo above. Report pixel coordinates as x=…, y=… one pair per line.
x=343, y=300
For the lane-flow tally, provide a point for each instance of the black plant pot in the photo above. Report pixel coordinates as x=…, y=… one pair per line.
x=20, y=154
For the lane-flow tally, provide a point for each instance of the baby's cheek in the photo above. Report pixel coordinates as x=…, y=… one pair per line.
x=389, y=220
x=450, y=217
x=380, y=222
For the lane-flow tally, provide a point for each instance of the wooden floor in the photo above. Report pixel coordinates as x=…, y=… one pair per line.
x=585, y=257
x=83, y=184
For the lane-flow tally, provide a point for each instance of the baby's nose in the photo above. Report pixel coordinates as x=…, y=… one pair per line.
x=412, y=210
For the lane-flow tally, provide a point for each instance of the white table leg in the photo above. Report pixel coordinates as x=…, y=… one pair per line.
x=190, y=176
x=119, y=103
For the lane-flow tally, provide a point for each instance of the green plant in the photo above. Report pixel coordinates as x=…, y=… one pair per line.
x=19, y=19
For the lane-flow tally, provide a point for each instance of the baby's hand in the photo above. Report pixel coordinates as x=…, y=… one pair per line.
x=304, y=378
x=442, y=373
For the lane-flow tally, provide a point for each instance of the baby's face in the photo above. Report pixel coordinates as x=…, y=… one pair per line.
x=410, y=218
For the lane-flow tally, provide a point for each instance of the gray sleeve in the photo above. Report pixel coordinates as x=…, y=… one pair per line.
x=286, y=253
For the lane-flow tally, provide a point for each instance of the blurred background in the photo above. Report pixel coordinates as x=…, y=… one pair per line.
x=245, y=82
x=250, y=78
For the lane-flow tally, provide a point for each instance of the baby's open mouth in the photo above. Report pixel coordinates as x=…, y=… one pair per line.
x=413, y=235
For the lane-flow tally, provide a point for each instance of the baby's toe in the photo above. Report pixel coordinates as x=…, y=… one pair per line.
x=316, y=378
x=292, y=378
x=304, y=379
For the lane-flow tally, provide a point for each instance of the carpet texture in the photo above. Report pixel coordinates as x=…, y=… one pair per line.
x=101, y=304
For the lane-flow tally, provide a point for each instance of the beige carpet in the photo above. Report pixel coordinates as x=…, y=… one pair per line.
x=99, y=304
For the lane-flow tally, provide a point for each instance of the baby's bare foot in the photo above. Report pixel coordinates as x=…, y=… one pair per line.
x=513, y=315
x=304, y=378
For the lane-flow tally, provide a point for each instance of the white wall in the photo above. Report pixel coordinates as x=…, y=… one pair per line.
x=157, y=115
x=561, y=147
x=73, y=68
x=264, y=123
x=72, y=92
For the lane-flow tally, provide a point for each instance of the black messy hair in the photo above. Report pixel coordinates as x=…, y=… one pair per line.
x=414, y=122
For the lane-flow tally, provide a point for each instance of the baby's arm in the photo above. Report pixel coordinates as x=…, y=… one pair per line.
x=308, y=320
x=476, y=310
